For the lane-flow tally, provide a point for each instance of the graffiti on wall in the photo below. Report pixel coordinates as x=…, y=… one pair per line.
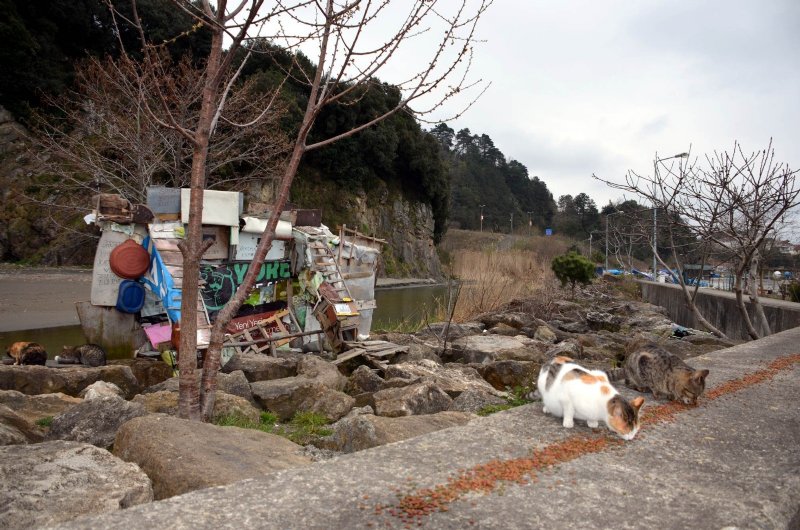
x=220, y=281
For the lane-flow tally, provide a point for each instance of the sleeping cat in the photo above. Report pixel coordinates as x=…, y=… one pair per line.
x=649, y=367
x=573, y=392
x=27, y=353
x=87, y=355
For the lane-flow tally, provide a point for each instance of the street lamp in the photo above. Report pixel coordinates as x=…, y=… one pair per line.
x=655, y=209
x=481, y=207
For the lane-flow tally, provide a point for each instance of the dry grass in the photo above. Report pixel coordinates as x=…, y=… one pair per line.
x=497, y=269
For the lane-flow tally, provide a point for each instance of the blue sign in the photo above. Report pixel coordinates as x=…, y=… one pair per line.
x=548, y=231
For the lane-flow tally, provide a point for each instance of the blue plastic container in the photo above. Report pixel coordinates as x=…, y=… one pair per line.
x=130, y=298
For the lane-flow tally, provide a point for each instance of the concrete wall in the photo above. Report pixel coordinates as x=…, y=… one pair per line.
x=719, y=307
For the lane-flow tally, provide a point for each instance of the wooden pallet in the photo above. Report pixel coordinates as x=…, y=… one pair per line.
x=260, y=336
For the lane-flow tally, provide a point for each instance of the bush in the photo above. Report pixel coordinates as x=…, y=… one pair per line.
x=573, y=268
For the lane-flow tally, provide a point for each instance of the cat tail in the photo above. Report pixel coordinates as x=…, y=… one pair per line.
x=616, y=374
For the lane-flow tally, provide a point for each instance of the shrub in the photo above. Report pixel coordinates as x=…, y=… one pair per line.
x=573, y=268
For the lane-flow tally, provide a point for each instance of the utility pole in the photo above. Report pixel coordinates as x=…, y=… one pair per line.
x=512, y=222
x=481, y=207
x=530, y=223
x=655, y=209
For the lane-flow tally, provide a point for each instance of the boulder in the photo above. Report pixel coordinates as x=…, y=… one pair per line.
x=509, y=374
x=484, y=348
x=455, y=331
x=363, y=431
x=257, y=367
x=320, y=370
x=418, y=351
x=545, y=334
x=101, y=389
x=504, y=329
x=568, y=348
x=14, y=429
x=330, y=403
x=166, y=402
x=285, y=396
x=234, y=383
x=363, y=379
x=598, y=321
x=512, y=319
x=474, y=399
x=148, y=372
x=181, y=455
x=421, y=398
x=94, y=421
x=33, y=380
x=34, y=408
x=45, y=484
x=452, y=378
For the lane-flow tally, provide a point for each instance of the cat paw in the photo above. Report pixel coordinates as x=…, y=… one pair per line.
x=593, y=424
x=568, y=423
x=544, y=409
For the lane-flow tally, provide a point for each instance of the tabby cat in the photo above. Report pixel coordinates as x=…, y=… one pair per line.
x=649, y=367
x=86, y=354
x=573, y=392
x=27, y=353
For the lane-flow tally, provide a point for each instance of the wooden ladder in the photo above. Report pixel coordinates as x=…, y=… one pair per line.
x=324, y=262
x=203, y=322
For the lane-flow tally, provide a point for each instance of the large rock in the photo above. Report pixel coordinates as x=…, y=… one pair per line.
x=509, y=374
x=486, y=347
x=14, y=429
x=454, y=331
x=363, y=379
x=363, y=431
x=166, y=402
x=33, y=380
x=421, y=398
x=234, y=383
x=261, y=367
x=545, y=334
x=49, y=483
x=287, y=396
x=602, y=321
x=568, y=348
x=320, y=370
x=148, y=372
x=94, y=421
x=474, y=399
x=453, y=379
x=181, y=455
x=101, y=389
x=34, y=408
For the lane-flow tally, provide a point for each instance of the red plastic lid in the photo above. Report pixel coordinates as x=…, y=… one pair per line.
x=129, y=260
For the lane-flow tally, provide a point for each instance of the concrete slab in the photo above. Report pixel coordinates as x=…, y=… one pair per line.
x=732, y=462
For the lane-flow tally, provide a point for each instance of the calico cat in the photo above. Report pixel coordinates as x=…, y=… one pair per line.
x=649, y=367
x=573, y=392
x=87, y=355
x=27, y=353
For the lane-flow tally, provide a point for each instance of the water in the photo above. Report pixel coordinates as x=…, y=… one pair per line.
x=396, y=305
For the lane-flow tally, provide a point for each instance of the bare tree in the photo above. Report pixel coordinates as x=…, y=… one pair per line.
x=101, y=136
x=351, y=42
x=731, y=206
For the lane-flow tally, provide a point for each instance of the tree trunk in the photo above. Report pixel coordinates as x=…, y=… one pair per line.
x=192, y=247
x=737, y=287
x=754, y=298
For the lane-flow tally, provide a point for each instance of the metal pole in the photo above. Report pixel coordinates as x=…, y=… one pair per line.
x=481, y=207
x=655, y=242
x=607, y=216
x=590, y=246
x=512, y=222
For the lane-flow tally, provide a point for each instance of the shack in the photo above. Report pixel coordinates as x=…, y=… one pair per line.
x=314, y=290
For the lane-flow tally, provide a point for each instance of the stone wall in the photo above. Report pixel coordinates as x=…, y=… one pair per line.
x=719, y=307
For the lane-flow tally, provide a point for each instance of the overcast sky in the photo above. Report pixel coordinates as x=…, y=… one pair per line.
x=583, y=87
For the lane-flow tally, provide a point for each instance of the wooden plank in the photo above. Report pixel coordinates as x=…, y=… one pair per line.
x=105, y=284
x=350, y=354
x=171, y=257
x=166, y=244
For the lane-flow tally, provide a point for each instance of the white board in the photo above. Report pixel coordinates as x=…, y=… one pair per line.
x=246, y=248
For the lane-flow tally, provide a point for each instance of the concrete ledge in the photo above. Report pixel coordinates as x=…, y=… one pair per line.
x=720, y=308
x=731, y=462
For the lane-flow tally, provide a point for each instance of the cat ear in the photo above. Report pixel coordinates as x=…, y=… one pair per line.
x=637, y=403
x=700, y=376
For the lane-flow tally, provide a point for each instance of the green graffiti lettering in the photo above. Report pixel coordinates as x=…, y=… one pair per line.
x=240, y=269
x=260, y=273
x=285, y=272
x=271, y=268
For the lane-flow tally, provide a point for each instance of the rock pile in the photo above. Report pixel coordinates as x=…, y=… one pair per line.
x=368, y=401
